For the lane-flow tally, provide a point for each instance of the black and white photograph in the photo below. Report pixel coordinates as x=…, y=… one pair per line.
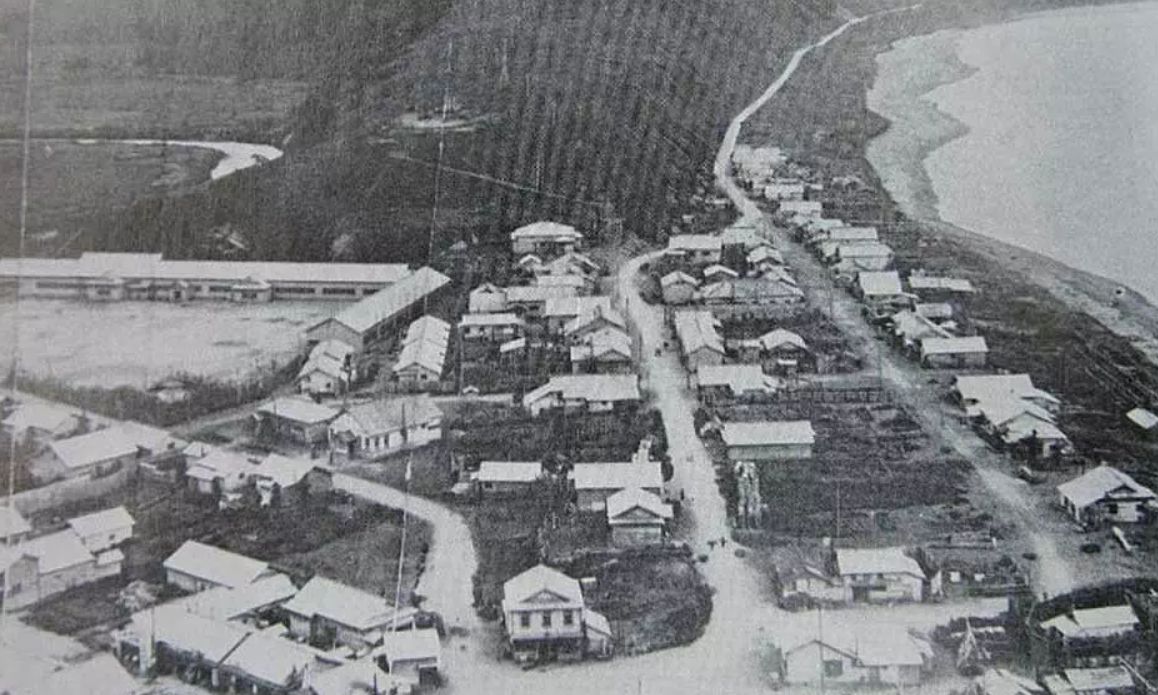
x=578, y=347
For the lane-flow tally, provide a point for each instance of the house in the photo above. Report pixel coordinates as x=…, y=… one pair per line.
x=909, y=329
x=423, y=354
x=1103, y=680
x=414, y=653
x=577, y=284
x=969, y=352
x=761, y=257
x=928, y=285
x=13, y=526
x=491, y=328
x=531, y=301
x=1105, y=494
x=1093, y=623
x=592, y=320
x=96, y=454
x=375, y=428
x=545, y=239
x=837, y=232
x=297, y=419
x=329, y=613
x=877, y=658
x=197, y=567
x=47, y=565
x=291, y=478
x=498, y=478
x=678, y=287
x=852, y=258
x=545, y=615
x=594, y=483
x=805, y=579
x=637, y=518
x=786, y=352
x=267, y=663
x=940, y=313
x=700, y=341
x=765, y=290
x=103, y=530
x=219, y=471
x=42, y=421
x=570, y=263
x=560, y=311
x=717, y=273
x=1014, y=421
x=882, y=291
x=693, y=250
x=156, y=447
x=257, y=604
x=738, y=240
x=769, y=440
x=730, y=381
x=324, y=374
x=807, y=208
x=377, y=316
x=971, y=390
x=100, y=674
x=1144, y=421
x=879, y=574
x=487, y=298
x=361, y=677
x=607, y=351
x=593, y=393
x=784, y=190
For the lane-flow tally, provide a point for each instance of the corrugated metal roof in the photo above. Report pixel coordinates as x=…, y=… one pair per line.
x=391, y=301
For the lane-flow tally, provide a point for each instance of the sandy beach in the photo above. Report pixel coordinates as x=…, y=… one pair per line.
x=906, y=74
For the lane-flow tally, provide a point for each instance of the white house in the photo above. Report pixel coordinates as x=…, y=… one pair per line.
x=594, y=483
x=95, y=454
x=327, y=613
x=882, y=290
x=678, y=287
x=852, y=258
x=873, y=658
x=491, y=328
x=769, y=440
x=544, y=614
x=591, y=320
x=559, y=311
x=879, y=574
x=971, y=390
x=545, y=239
x=423, y=354
x=46, y=565
x=593, y=393
x=637, y=518
x=375, y=428
x=329, y=369
x=726, y=381
x=607, y=351
x=103, y=530
x=43, y=420
x=230, y=470
x=414, y=653
x=965, y=352
x=496, y=478
x=197, y=567
x=807, y=208
x=1105, y=494
x=700, y=340
x=1092, y=623
x=487, y=298
x=1145, y=421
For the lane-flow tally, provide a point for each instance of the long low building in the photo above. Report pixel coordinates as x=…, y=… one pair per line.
x=119, y=276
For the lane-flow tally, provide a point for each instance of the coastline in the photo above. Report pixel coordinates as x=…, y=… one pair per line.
x=907, y=70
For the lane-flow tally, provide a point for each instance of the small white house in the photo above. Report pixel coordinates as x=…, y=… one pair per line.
x=879, y=575
x=103, y=530
x=1105, y=494
x=496, y=478
x=637, y=518
x=769, y=440
x=197, y=567
x=876, y=658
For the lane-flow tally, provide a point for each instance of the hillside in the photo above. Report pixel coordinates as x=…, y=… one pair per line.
x=620, y=101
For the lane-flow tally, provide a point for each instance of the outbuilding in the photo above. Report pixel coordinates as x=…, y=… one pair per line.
x=769, y=440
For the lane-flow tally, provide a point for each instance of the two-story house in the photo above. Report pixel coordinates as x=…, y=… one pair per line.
x=546, y=617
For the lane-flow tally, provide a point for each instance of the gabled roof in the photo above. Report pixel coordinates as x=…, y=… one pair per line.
x=912, y=326
x=187, y=632
x=588, y=387
x=864, y=250
x=764, y=253
x=1143, y=418
x=344, y=604
x=509, y=471
x=994, y=386
x=149, y=438
x=769, y=433
x=934, y=310
x=626, y=500
x=1001, y=411
x=548, y=231
x=12, y=523
x=391, y=301
x=411, y=645
x=94, y=447
x=324, y=363
x=748, y=236
x=616, y=476
x=740, y=378
x=338, y=349
x=876, y=561
x=512, y=345
x=226, y=603
x=382, y=416
x=215, y=565
x=534, y=294
x=102, y=522
x=421, y=353
x=802, y=206
x=1101, y=482
x=220, y=463
x=698, y=329
x=538, y=579
x=286, y=471
x=1101, y=620
x=561, y=307
x=919, y=281
x=41, y=416
x=362, y=677
x=717, y=269
x=592, y=315
x=953, y=346
x=1100, y=680
x=601, y=343
x=270, y=659
x=56, y=551
x=298, y=410
x=679, y=277
x=779, y=336
x=491, y=319
x=429, y=329
x=880, y=283
x=596, y=622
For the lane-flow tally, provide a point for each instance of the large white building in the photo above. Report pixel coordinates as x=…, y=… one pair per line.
x=119, y=276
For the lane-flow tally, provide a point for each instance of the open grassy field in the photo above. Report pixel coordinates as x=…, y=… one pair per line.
x=138, y=343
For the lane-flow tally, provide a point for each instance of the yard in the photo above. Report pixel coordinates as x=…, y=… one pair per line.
x=140, y=343
x=348, y=541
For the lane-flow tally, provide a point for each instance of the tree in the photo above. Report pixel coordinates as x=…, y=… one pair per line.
x=275, y=496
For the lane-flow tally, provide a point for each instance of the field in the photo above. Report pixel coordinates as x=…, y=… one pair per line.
x=139, y=343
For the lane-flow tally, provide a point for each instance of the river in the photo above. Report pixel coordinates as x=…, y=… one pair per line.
x=1038, y=132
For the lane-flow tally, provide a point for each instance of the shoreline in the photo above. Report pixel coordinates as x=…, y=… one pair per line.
x=917, y=127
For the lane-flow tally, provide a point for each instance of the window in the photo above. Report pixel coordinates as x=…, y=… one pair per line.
x=524, y=619
x=220, y=288
x=568, y=618
x=350, y=291
x=1112, y=507
x=833, y=668
x=546, y=620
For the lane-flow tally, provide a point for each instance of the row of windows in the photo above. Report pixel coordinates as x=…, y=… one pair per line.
x=568, y=619
x=349, y=291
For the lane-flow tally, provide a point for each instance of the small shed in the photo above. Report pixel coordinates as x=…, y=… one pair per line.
x=1144, y=422
x=498, y=478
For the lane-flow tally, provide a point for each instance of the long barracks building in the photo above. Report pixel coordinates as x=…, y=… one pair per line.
x=147, y=276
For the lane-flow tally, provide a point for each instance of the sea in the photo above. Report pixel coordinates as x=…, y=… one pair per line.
x=1048, y=137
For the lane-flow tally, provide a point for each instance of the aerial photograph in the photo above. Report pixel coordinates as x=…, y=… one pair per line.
x=578, y=347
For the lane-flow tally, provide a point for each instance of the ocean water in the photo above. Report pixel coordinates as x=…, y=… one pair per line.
x=1061, y=153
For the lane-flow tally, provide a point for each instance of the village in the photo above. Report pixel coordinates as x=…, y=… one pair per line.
x=783, y=443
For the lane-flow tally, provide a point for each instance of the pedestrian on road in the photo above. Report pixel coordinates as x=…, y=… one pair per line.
x=681, y=494
x=711, y=545
x=723, y=542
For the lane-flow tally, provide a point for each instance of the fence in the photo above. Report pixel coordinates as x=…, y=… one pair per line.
x=62, y=492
